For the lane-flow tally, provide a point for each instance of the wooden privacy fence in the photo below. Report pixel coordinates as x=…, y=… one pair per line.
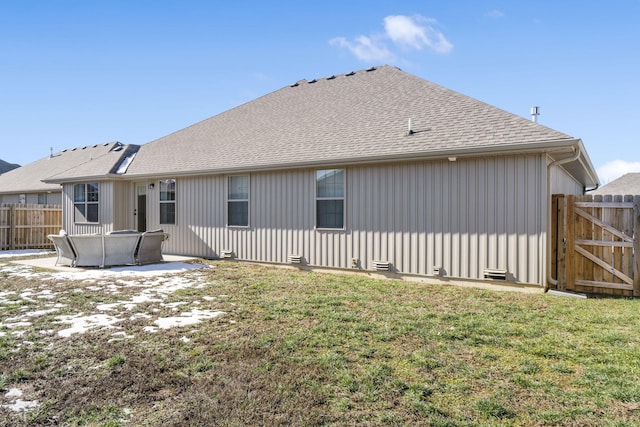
x=595, y=241
x=27, y=226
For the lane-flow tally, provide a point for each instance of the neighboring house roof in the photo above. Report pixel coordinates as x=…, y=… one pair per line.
x=6, y=167
x=90, y=162
x=357, y=117
x=627, y=184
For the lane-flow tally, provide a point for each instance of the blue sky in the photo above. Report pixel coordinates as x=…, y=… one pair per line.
x=75, y=73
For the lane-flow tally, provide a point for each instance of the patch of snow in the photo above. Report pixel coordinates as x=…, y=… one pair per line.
x=119, y=336
x=46, y=294
x=185, y=319
x=39, y=313
x=81, y=324
x=13, y=393
x=24, y=252
x=18, y=404
x=22, y=405
x=15, y=322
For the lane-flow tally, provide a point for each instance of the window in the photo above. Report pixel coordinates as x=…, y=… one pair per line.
x=168, y=201
x=330, y=198
x=85, y=202
x=42, y=198
x=238, y=201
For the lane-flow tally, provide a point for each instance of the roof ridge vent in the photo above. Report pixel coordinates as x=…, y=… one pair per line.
x=350, y=74
x=117, y=146
x=296, y=84
x=332, y=77
x=370, y=69
x=313, y=81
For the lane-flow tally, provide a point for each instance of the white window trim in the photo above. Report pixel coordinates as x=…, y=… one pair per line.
x=86, y=203
x=248, y=199
x=343, y=198
x=175, y=201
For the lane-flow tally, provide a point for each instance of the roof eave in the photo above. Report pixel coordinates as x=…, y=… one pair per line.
x=107, y=177
x=552, y=147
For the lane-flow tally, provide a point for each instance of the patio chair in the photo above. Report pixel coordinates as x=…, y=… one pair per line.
x=150, y=246
x=89, y=249
x=64, y=249
x=120, y=248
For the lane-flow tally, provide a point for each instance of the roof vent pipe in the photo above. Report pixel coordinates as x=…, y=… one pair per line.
x=409, y=130
x=535, y=112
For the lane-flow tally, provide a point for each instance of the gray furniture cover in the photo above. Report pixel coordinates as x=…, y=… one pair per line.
x=66, y=253
x=150, y=246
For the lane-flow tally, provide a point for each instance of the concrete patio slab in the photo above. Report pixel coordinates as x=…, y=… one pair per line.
x=50, y=263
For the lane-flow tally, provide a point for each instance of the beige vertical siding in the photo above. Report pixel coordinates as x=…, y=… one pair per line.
x=461, y=216
x=563, y=183
x=10, y=198
x=106, y=208
x=123, y=194
x=54, y=198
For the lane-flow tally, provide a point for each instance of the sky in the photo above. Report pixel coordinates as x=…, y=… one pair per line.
x=82, y=72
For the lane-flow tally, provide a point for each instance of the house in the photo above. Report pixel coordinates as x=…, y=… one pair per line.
x=373, y=170
x=6, y=166
x=627, y=184
x=25, y=184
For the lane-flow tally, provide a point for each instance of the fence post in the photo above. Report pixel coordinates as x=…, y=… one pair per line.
x=12, y=227
x=570, y=260
x=636, y=246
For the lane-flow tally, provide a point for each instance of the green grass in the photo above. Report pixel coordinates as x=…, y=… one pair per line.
x=307, y=349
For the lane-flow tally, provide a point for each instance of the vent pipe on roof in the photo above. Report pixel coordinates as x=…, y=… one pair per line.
x=50, y=152
x=535, y=112
x=409, y=129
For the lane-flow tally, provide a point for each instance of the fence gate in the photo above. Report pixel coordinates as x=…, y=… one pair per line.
x=594, y=242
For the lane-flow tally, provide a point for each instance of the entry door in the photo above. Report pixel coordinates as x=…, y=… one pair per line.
x=141, y=207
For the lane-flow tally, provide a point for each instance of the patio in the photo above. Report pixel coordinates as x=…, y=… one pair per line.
x=50, y=263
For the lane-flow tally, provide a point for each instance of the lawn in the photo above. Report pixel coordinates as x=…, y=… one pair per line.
x=289, y=347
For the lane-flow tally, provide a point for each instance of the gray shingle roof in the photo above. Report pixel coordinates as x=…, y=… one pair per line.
x=627, y=184
x=95, y=161
x=355, y=117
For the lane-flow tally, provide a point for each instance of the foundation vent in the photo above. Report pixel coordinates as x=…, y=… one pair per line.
x=226, y=254
x=495, y=274
x=295, y=259
x=381, y=265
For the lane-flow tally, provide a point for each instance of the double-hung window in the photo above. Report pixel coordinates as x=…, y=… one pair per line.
x=330, y=198
x=238, y=201
x=85, y=202
x=168, y=201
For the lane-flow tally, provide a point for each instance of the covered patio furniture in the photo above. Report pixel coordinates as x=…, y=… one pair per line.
x=120, y=248
x=64, y=250
x=150, y=247
x=89, y=250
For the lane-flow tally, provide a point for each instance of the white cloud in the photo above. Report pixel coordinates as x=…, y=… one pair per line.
x=406, y=32
x=615, y=169
x=494, y=14
x=364, y=48
x=416, y=32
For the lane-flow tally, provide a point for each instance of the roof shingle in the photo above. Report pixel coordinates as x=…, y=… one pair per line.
x=83, y=162
x=350, y=117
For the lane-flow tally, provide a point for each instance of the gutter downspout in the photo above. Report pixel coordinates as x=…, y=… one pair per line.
x=559, y=162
